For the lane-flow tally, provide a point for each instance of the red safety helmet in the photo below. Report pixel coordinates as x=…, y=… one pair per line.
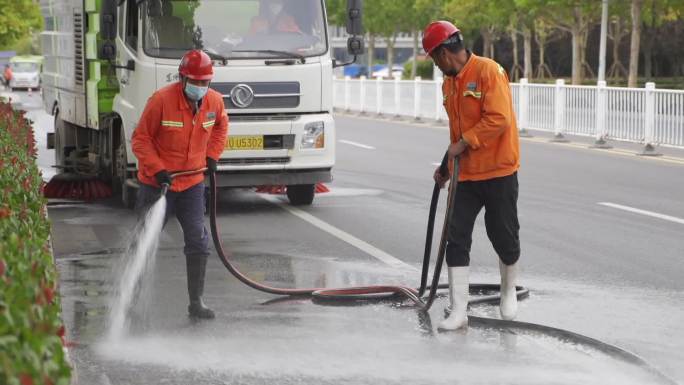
x=196, y=65
x=437, y=33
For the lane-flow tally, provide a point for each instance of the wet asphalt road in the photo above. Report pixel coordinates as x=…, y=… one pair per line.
x=595, y=269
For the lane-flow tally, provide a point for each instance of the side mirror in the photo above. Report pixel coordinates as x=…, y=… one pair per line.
x=355, y=17
x=108, y=19
x=355, y=45
x=108, y=51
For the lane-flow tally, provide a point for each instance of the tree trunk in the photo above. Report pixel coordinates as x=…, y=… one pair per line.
x=515, y=70
x=414, y=65
x=634, y=45
x=579, y=31
x=617, y=39
x=486, y=42
x=390, y=55
x=527, y=49
x=616, y=31
x=648, y=56
x=583, y=55
x=650, y=33
x=543, y=69
x=541, y=37
x=371, y=53
x=576, y=59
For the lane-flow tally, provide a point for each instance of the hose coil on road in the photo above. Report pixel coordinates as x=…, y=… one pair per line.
x=384, y=292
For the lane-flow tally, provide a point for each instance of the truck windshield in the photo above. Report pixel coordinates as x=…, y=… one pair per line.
x=235, y=29
x=19, y=67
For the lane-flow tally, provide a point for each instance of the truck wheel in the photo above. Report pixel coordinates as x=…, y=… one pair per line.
x=301, y=194
x=128, y=193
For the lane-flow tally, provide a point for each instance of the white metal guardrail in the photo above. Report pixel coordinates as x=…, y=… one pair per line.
x=644, y=115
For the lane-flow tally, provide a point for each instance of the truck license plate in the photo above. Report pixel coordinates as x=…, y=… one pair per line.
x=245, y=142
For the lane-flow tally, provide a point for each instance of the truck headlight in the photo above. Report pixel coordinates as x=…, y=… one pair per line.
x=314, y=135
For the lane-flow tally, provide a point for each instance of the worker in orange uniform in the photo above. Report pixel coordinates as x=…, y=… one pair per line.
x=184, y=127
x=273, y=19
x=484, y=140
x=7, y=75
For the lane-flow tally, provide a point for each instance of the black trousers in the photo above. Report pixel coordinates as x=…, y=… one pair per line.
x=499, y=197
x=188, y=206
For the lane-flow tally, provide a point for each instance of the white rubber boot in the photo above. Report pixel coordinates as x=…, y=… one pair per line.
x=509, y=300
x=458, y=295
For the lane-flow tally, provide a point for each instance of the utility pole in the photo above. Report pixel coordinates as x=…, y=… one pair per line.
x=602, y=47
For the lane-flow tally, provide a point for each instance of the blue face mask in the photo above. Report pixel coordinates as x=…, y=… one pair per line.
x=195, y=93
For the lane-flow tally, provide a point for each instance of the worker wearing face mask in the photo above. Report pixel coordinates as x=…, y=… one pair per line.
x=184, y=127
x=273, y=19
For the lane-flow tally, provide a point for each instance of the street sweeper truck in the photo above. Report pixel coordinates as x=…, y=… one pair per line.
x=273, y=65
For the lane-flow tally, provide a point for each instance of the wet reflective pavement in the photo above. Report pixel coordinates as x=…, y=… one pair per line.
x=257, y=339
x=611, y=275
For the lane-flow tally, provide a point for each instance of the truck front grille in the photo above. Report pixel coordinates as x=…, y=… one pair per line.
x=261, y=118
x=254, y=161
x=264, y=95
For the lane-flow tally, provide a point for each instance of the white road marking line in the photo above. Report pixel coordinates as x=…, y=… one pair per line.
x=643, y=212
x=361, y=145
x=342, y=235
x=545, y=140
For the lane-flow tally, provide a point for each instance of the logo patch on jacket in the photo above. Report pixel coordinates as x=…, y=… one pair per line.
x=475, y=94
x=211, y=115
x=471, y=86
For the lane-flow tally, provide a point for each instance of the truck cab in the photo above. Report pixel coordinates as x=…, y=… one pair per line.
x=272, y=64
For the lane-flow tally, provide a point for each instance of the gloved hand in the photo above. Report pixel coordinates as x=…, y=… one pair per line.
x=163, y=177
x=212, y=166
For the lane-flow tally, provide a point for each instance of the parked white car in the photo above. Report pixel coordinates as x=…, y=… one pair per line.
x=397, y=72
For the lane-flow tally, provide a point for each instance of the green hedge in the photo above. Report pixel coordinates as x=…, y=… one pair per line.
x=31, y=331
x=425, y=69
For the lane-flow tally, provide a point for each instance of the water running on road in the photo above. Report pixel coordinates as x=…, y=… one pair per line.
x=137, y=266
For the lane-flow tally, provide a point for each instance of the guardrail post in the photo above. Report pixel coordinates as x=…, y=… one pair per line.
x=559, y=112
x=416, y=98
x=649, y=121
x=524, y=104
x=439, y=100
x=346, y=93
x=378, y=95
x=397, y=96
x=362, y=95
x=601, y=113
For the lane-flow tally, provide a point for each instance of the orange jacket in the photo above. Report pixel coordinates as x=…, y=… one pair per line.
x=480, y=108
x=7, y=74
x=168, y=136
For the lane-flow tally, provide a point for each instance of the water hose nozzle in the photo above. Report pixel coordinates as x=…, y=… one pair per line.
x=164, y=189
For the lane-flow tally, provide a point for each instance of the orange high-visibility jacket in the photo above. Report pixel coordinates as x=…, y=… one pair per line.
x=480, y=108
x=168, y=136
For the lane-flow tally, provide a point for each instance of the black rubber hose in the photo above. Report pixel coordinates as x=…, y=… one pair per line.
x=444, y=170
x=365, y=293
x=371, y=293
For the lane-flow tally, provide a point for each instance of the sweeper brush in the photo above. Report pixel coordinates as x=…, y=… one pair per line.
x=281, y=189
x=76, y=186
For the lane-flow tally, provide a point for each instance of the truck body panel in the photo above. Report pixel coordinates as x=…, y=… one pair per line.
x=270, y=92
